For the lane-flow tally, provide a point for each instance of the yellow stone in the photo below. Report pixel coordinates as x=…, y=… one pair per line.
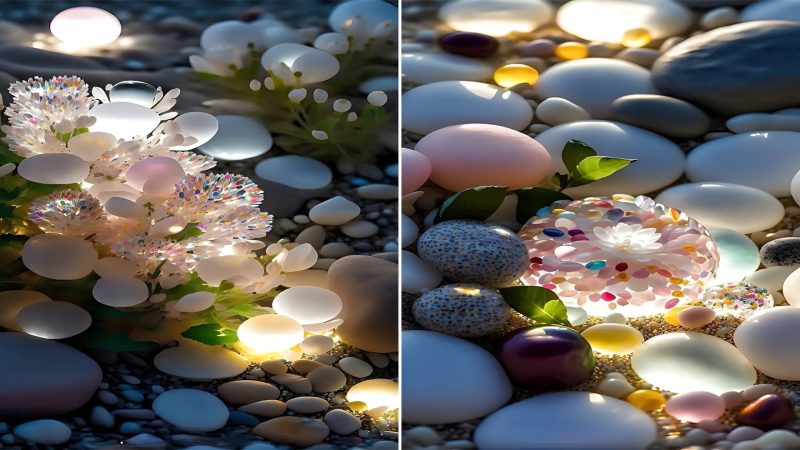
x=613, y=338
x=572, y=50
x=646, y=400
x=671, y=316
x=514, y=74
x=637, y=37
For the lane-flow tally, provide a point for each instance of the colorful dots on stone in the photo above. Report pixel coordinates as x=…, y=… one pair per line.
x=646, y=400
x=636, y=38
x=514, y=74
x=464, y=310
x=572, y=50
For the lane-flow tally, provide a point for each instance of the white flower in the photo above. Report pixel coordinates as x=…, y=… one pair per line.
x=625, y=240
x=377, y=98
x=320, y=95
x=298, y=65
x=341, y=105
x=333, y=43
x=297, y=95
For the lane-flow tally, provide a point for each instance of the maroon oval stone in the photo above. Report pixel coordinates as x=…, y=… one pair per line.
x=474, y=45
x=546, y=357
x=766, y=412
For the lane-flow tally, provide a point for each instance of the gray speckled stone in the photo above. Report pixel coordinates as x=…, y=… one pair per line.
x=464, y=310
x=666, y=116
x=736, y=69
x=474, y=252
x=781, y=252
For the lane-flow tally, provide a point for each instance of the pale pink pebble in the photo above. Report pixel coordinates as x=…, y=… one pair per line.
x=564, y=251
x=570, y=267
x=732, y=399
x=712, y=426
x=744, y=433
x=544, y=246
x=416, y=170
x=590, y=284
x=695, y=406
x=696, y=317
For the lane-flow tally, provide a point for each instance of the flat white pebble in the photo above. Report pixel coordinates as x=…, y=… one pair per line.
x=334, y=211
x=356, y=367
x=359, y=229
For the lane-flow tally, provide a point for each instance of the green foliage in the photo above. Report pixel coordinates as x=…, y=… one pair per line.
x=537, y=303
x=475, y=203
x=189, y=231
x=211, y=334
x=585, y=166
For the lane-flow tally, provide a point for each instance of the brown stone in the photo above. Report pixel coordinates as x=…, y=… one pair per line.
x=299, y=431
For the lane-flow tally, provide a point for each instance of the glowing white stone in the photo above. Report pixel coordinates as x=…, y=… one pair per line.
x=372, y=12
x=13, y=302
x=137, y=92
x=124, y=120
x=120, y=291
x=308, y=304
x=113, y=266
x=195, y=302
x=333, y=43
x=91, y=145
x=54, y=168
x=238, y=137
x=375, y=393
x=312, y=65
x=167, y=226
x=270, y=333
x=199, y=125
x=217, y=269
x=154, y=168
x=299, y=258
x=85, y=26
x=53, y=320
x=229, y=34
x=59, y=257
x=496, y=17
x=316, y=344
x=608, y=20
x=122, y=207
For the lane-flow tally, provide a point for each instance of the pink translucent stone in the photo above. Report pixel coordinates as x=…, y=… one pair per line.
x=695, y=406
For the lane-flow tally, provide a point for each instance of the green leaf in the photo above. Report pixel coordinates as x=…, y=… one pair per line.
x=211, y=334
x=189, y=231
x=195, y=284
x=115, y=341
x=531, y=200
x=574, y=152
x=6, y=211
x=475, y=203
x=537, y=303
x=596, y=168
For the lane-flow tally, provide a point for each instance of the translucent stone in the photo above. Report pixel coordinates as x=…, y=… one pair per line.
x=217, y=269
x=154, y=168
x=738, y=256
x=576, y=315
x=316, y=344
x=200, y=362
x=322, y=327
x=375, y=393
x=609, y=20
x=314, y=65
x=771, y=278
x=688, y=361
x=373, y=13
x=270, y=333
x=646, y=400
x=53, y=320
x=636, y=37
x=238, y=138
x=496, y=17
x=295, y=171
x=107, y=189
x=613, y=338
x=54, y=168
x=195, y=302
x=137, y=92
x=85, y=26
x=228, y=34
x=199, y=125
x=308, y=304
x=572, y=50
x=124, y=120
x=768, y=340
x=13, y=302
x=167, y=226
x=91, y=145
x=299, y=258
x=122, y=207
x=695, y=406
x=113, y=266
x=514, y=74
x=59, y=257
x=120, y=291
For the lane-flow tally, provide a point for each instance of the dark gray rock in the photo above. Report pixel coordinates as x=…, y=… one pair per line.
x=737, y=69
x=708, y=4
x=666, y=116
x=781, y=252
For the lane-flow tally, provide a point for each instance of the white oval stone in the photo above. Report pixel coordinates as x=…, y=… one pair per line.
x=91, y=145
x=551, y=421
x=765, y=161
x=307, y=304
x=659, y=161
x=371, y=12
x=314, y=64
x=120, y=291
x=200, y=362
x=423, y=68
x=13, y=302
x=689, y=361
x=111, y=265
x=376, y=393
x=437, y=105
x=44, y=431
x=295, y=171
x=342, y=422
x=124, y=120
x=316, y=344
x=356, y=367
x=195, y=302
x=446, y=373
x=228, y=34
x=237, y=138
x=496, y=17
x=410, y=231
x=791, y=285
x=54, y=168
x=738, y=256
x=217, y=269
x=594, y=83
x=418, y=276
x=359, y=229
x=771, y=278
x=191, y=410
x=557, y=110
x=53, y=320
x=608, y=20
x=270, y=332
x=755, y=122
x=297, y=259
x=199, y=125
x=795, y=187
x=59, y=257
x=122, y=207
x=154, y=168
x=765, y=337
x=334, y=211
x=720, y=205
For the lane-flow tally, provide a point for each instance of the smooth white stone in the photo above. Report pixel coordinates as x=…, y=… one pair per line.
x=771, y=278
x=557, y=110
x=342, y=422
x=314, y=65
x=409, y=229
x=377, y=393
x=423, y=68
x=199, y=125
x=231, y=34
x=111, y=265
x=608, y=20
x=158, y=168
x=217, y=269
x=791, y=286
x=720, y=205
x=432, y=106
x=316, y=344
x=54, y=168
x=300, y=258
x=124, y=120
x=270, y=333
x=122, y=207
x=91, y=145
x=417, y=275
x=191, y=410
x=359, y=229
x=356, y=367
x=295, y=171
x=454, y=380
x=551, y=421
x=772, y=10
x=496, y=17
x=765, y=339
x=44, y=431
x=594, y=83
x=738, y=256
x=307, y=304
x=766, y=161
x=719, y=17
x=237, y=138
x=13, y=302
x=371, y=12
x=195, y=302
x=755, y=122
x=120, y=291
x=689, y=361
x=53, y=320
x=794, y=187
x=659, y=161
x=59, y=257
x=334, y=211
x=200, y=362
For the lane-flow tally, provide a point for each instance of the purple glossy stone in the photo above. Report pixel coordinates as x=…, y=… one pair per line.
x=474, y=45
x=767, y=412
x=540, y=48
x=546, y=357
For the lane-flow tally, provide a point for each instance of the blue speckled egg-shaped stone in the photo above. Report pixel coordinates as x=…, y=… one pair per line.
x=469, y=251
x=464, y=310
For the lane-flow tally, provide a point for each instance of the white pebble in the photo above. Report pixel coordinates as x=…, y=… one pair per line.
x=378, y=192
x=356, y=367
x=335, y=211
x=359, y=229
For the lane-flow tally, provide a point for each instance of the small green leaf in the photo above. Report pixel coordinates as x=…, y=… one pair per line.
x=537, y=303
x=574, y=152
x=211, y=334
x=191, y=230
x=195, y=284
x=596, y=168
x=531, y=200
x=475, y=203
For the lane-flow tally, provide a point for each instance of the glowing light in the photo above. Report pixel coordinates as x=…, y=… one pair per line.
x=85, y=26
x=636, y=38
x=514, y=74
x=375, y=393
x=572, y=50
x=270, y=333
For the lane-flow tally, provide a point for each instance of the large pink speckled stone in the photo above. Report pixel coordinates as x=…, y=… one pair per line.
x=465, y=156
x=416, y=170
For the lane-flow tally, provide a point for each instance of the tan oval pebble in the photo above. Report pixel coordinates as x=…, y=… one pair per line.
x=241, y=392
x=325, y=359
x=265, y=408
x=732, y=399
x=301, y=386
x=758, y=390
x=307, y=405
x=299, y=431
x=305, y=366
x=356, y=367
x=696, y=317
x=342, y=422
x=316, y=344
x=327, y=379
x=274, y=367
x=378, y=360
x=285, y=379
